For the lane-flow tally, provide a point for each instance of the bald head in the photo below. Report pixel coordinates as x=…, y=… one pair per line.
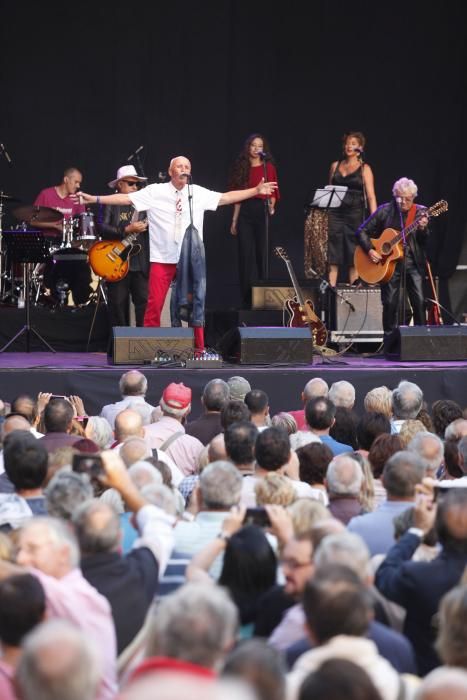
x=128, y=423
x=15, y=423
x=444, y=683
x=134, y=449
x=133, y=383
x=216, y=449
x=314, y=388
x=97, y=527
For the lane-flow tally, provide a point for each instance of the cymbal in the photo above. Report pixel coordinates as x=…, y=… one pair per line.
x=9, y=197
x=32, y=214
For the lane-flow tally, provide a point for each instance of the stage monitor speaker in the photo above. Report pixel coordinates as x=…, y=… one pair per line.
x=418, y=343
x=134, y=346
x=367, y=311
x=265, y=346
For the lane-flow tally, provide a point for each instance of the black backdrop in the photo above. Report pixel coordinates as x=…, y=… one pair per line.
x=87, y=83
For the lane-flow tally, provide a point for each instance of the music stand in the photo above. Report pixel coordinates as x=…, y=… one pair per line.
x=330, y=197
x=27, y=247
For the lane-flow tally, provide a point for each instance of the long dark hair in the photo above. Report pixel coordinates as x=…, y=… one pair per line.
x=249, y=569
x=240, y=171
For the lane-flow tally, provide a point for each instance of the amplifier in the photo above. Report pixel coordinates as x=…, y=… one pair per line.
x=358, y=310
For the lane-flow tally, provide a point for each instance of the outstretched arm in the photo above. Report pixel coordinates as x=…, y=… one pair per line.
x=235, y=196
x=117, y=198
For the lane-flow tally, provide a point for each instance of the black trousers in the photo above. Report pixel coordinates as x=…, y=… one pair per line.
x=251, y=233
x=134, y=285
x=391, y=295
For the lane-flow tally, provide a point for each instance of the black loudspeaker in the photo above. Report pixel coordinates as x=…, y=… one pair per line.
x=134, y=346
x=265, y=346
x=438, y=343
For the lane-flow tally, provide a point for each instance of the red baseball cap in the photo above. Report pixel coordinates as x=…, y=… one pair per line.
x=177, y=396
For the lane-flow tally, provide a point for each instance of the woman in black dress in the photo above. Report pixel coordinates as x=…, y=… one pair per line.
x=358, y=202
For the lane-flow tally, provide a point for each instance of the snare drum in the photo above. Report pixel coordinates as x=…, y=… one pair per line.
x=84, y=232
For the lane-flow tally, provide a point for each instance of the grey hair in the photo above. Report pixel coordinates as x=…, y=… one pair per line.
x=342, y=394
x=379, y=400
x=302, y=438
x=134, y=449
x=314, y=388
x=60, y=534
x=142, y=473
x=133, y=383
x=404, y=185
x=462, y=447
x=346, y=548
x=454, y=430
x=96, y=534
x=77, y=669
x=418, y=443
x=161, y=496
x=407, y=400
x=102, y=432
x=65, y=491
x=344, y=476
x=442, y=680
x=221, y=485
x=197, y=623
x=216, y=393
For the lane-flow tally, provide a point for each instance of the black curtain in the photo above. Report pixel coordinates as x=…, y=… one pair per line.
x=88, y=83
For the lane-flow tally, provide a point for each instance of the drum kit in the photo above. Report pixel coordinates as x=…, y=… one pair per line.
x=45, y=265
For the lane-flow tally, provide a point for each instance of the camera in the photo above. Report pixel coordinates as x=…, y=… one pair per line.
x=257, y=516
x=88, y=464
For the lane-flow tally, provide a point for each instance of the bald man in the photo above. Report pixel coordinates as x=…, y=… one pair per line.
x=169, y=207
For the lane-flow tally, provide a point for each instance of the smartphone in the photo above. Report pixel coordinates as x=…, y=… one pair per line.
x=257, y=516
x=88, y=464
x=57, y=396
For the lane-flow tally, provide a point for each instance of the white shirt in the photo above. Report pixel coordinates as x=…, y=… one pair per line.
x=111, y=410
x=159, y=202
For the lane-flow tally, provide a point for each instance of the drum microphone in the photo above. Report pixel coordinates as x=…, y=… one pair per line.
x=130, y=158
x=6, y=154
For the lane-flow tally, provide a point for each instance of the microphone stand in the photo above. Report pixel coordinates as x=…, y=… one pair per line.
x=266, y=222
x=364, y=193
x=403, y=280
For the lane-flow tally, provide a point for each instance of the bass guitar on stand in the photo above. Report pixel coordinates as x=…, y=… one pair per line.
x=301, y=311
x=389, y=246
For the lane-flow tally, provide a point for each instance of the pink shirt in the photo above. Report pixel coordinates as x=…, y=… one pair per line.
x=7, y=673
x=50, y=198
x=73, y=598
x=184, y=451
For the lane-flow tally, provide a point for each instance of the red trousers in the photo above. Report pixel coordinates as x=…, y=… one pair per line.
x=160, y=277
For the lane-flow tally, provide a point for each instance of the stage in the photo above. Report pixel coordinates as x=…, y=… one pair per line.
x=90, y=376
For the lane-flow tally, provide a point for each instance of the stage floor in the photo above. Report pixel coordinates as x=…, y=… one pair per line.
x=90, y=376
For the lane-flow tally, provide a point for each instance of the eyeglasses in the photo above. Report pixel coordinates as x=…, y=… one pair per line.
x=293, y=564
x=132, y=183
x=406, y=199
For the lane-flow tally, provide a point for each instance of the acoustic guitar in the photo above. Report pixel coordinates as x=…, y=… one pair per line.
x=389, y=246
x=301, y=311
x=111, y=259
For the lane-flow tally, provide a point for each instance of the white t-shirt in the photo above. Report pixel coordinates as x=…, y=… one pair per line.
x=160, y=203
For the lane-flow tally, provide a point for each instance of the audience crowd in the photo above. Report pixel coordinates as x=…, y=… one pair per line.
x=319, y=553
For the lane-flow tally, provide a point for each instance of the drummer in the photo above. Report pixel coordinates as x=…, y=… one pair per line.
x=119, y=222
x=58, y=197
x=73, y=274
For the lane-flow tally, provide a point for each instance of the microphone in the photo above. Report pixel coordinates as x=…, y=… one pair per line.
x=187, y=175
x=130, y=158
x=398, y=202
x=6, y=154
x=263, y=155
x=358, y=150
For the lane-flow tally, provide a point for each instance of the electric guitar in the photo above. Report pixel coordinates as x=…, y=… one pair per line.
x=111, y=259
x=389, y=246
x=301, y=311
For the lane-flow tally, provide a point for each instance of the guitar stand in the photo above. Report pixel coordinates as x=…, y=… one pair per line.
x=100, y=293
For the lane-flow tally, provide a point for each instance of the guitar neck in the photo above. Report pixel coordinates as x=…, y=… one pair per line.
x=295, y=284
x=410, y=229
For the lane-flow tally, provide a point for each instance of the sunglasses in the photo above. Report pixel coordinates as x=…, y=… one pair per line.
x=132, y=183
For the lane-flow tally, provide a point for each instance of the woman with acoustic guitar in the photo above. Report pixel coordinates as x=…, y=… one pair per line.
x=251, y=217
x=352, y=172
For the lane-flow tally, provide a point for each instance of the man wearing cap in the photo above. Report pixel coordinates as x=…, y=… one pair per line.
x=168, y=434
x=118, y=222
x=168, y=208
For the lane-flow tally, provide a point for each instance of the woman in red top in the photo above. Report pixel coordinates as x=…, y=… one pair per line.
x=249, y=218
